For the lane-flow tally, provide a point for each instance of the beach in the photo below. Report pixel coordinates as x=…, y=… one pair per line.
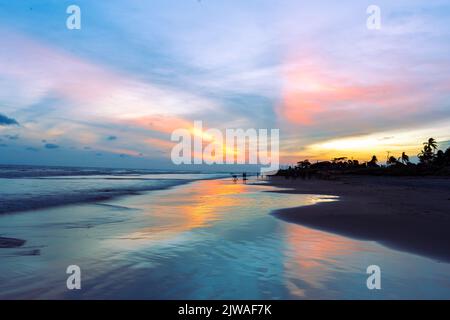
x=406, y=213
x=209, y=238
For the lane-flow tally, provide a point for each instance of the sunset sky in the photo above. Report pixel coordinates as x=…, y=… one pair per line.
x=111, y=93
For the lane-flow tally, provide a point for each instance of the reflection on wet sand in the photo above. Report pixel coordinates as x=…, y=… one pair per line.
x=313, y=256
x=183, y=209
x=211, y=201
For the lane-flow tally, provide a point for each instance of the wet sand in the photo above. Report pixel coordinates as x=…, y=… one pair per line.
x=408, y=214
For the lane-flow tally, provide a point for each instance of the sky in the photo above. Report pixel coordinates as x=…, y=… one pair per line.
x=111, y=93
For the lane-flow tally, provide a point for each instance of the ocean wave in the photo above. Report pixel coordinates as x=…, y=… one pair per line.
x=25, y=171
x=15, y=202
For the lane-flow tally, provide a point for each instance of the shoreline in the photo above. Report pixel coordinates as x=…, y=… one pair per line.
x=406, y=214
x=15, y=206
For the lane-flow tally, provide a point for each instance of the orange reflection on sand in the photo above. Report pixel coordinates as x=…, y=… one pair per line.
x=184, y=209
x=312, y=256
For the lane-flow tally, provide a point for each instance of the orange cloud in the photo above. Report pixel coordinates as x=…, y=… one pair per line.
x=159, y=123
x=159, y=143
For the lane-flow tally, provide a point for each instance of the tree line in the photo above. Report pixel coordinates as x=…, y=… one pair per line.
x=431, y=161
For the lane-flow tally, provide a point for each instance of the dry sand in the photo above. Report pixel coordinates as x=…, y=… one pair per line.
x=408, y=214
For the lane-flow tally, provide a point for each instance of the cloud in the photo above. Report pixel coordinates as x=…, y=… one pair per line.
x=51, y=146
x=111, y=138
x=87, y=90
x=6, y=121
x=12, y=136
x=31, y=149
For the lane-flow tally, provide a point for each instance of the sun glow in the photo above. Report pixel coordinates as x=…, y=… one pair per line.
x=364, y=146
x=349, y=144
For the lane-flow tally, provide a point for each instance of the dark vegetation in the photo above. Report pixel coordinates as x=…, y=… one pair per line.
x=431, y=162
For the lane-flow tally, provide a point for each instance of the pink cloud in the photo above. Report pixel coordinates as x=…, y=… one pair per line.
x=37, y=64
x=315, y=90
x=91, y=90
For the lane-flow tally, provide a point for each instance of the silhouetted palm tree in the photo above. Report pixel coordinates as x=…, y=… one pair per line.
x=304, y=164
x=392, y=160
x=431, y=143
x=373, y=162
x=447, y=156
x=427, y=154
x=404, y=158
